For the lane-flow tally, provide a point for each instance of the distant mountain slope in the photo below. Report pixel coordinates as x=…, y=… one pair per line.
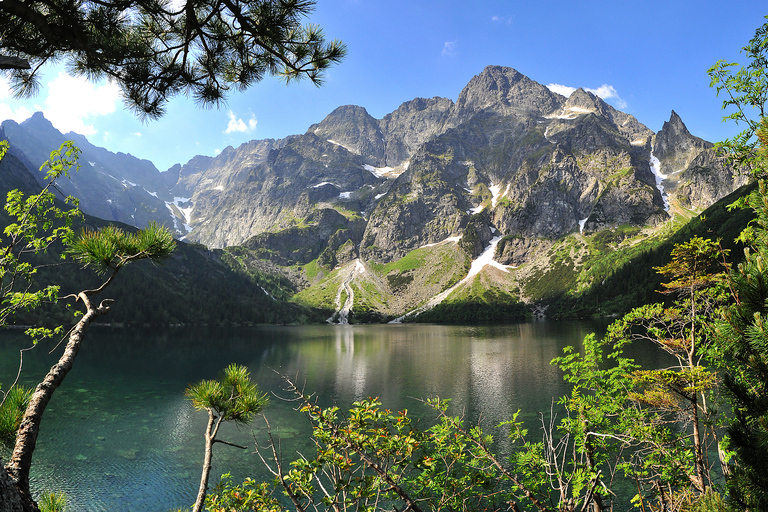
x=112, y=186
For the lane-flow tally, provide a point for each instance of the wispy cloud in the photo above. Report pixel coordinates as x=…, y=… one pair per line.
x=236, y=124
x=502, y=19
x=605, y=91
x=449, y=48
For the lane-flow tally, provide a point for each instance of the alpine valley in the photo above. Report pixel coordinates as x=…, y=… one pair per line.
x=510, y=201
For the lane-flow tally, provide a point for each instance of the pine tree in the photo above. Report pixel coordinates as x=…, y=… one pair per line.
x=157, y=49
x=234, y=398
x=744, y=336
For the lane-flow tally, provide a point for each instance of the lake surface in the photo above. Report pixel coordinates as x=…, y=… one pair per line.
x=120, y=435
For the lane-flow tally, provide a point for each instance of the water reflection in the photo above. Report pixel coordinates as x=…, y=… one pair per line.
x=120, y=421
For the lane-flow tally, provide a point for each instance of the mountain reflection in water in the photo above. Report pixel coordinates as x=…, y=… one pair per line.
x=119, y=434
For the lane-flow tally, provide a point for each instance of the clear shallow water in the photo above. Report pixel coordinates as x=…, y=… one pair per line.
x=120, y=436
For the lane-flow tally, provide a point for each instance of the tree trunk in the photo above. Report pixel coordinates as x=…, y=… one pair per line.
x=10, y=498
x=26, y=439
x=9, y=62
x=209, y=438
x=698, y=449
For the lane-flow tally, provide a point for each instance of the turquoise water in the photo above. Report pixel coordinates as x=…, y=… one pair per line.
x=120, y=436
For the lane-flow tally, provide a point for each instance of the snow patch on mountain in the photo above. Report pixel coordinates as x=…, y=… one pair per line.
x=383, y=172
x=186, y=213
x=351, y=150
x=449, y=239
x=485, y=259
x=568, y=113
x=496, y=191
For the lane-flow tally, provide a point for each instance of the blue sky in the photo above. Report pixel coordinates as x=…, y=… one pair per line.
x=647, y=58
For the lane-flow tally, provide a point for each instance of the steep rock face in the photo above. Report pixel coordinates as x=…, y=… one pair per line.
x=581, y=102
x=675, y=147
x=16, y=171
x=391, y=141
x=517, y=251
x=353, y=128
x=411, y=125
x=419, y=209
x=226, y=169
x=541, y=166
x=476, y=235
x=706, y=180
x=234, y=201
x=35, y=138
x=695, y=176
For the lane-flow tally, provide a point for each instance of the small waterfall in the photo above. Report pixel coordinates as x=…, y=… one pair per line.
x=656, y=170
x=342, y=310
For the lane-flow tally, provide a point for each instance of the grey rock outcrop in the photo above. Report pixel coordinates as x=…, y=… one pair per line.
x=411, y=125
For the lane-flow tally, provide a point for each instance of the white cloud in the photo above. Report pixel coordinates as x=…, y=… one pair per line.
x=236, y=124
x=73, y=102
x=449, y=47
x=561, y=89
x=605, y=92
x=501, y=19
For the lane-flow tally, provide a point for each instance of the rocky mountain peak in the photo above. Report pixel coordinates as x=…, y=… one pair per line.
x=509, y=158
x=694, y=174
x=39, y=123
x=675, y=127
x=584, y=101
x=504, y=90
x=674, y=140
x=356, y=130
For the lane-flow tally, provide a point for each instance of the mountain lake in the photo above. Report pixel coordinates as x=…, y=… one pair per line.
x=119, y=434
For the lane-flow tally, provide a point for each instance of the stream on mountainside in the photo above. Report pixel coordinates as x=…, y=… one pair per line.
x=120, y=435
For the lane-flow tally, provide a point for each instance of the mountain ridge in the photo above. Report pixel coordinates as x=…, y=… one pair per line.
x=510, y=162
